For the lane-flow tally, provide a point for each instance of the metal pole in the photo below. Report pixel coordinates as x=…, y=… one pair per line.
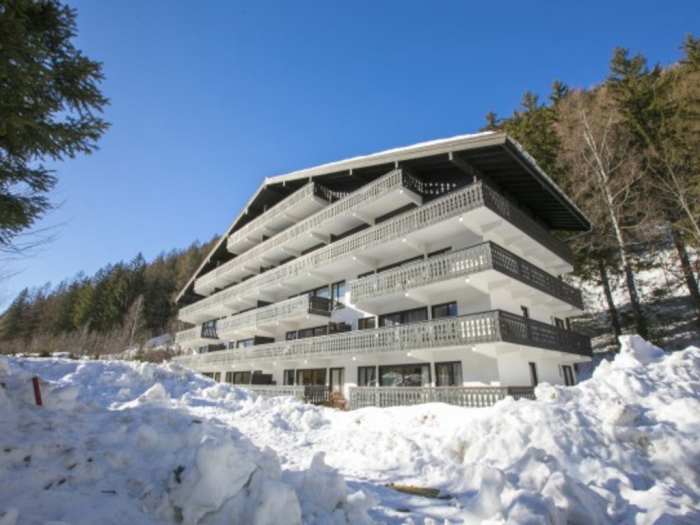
x=37, y=391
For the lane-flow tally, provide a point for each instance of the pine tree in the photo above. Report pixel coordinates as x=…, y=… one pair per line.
x=49, y=106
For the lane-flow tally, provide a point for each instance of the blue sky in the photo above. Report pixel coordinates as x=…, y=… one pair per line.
x=208, y=98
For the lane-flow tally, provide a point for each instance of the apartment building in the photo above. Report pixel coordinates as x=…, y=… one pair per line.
x=424, y=267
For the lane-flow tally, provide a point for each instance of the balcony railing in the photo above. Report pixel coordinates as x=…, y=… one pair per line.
x=188, y=335
x=305, y=304
x=462, y=263
x=488, y=327
x=472, y=397
x=279, y=209
x=391, y=181
x=275, y=390
x=451, y=205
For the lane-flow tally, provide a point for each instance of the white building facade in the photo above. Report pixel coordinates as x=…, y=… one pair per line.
x=425, y=269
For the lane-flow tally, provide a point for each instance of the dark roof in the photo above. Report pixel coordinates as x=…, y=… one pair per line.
x=495, y=156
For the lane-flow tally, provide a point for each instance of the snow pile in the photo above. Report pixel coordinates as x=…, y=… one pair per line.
x=119, y=443
x=147, y=444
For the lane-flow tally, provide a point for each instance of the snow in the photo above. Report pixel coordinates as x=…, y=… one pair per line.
x=138, y=443
x=393, y=151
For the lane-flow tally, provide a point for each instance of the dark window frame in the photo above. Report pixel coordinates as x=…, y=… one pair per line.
x=402, y=313
x=407, y=365
x=363, y=380
x=452, y=373
x=362, y=322
x=448, y=304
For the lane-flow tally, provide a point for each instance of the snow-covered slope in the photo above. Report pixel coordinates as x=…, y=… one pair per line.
x=125, y=443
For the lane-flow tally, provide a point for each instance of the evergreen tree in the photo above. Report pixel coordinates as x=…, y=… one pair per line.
x=49, y=106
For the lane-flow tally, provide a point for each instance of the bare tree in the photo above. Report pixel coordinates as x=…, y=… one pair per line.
x=604, y=176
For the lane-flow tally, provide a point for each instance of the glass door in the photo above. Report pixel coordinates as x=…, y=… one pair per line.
x=337, y=379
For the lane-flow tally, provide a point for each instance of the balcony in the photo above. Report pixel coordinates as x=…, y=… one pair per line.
x=486, y=259
x=477, y=205
x=377, y=198
x=494, y=326
x=257, y=321
x=300, y=204
x=197, y=336
x=464, y=396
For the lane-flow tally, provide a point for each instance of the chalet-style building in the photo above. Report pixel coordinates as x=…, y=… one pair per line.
x=394, y=274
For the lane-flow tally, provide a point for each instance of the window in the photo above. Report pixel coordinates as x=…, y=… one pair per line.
x=238, y=378
x=288, y=377
x=448, y=374
x=533, y=374
x=526, y=312
x=366, y=376
x=321, y=291
x=405, y=375
x=291, y=336
x=313, y=376
x=245, y=343
x=312, y=332
x=404, y=317
x=217, y=376
x=568, y=375
x=445, y=310
x=367, y=323
x=338, y=293
x=559, y=323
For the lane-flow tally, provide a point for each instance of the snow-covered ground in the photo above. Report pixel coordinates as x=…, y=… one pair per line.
x=139, y=443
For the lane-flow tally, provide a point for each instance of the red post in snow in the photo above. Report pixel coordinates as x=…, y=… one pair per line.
x=37, y=391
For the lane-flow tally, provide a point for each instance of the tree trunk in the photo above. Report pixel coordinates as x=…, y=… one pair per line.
x=612, y=309
x=690, y=280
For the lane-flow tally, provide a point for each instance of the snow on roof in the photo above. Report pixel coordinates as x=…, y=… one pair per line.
x=394, y=151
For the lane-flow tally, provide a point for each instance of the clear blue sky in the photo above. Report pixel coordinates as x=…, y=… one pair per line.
x=208, y=98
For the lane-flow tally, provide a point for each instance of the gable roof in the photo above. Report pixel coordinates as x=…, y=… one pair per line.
x=495, y=155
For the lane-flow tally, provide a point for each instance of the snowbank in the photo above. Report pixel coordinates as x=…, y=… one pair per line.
x=120, y=443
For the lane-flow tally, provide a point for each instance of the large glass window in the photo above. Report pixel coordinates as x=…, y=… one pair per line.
x=312, y=332
x=238, y=378
x=338, y=293
x=310, y=377
x=445, y=310
x=288, y=377
x=407, y=316
x=405, y=375
x=367, y=323
x=244, y=343
x=448, y=374
x=533, y=374
x=321, y=291
x=366, y=376
x=291, y=335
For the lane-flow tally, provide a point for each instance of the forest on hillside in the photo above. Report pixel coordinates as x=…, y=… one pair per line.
x=627, y=152
x=121, y=306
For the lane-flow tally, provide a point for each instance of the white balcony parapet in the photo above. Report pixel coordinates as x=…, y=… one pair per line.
x=386, y=184
x=487, y=327
x=308, y=191
x=305, y=304
x=462, y=263
x=451, y=205
x=276, y=390
x=464, y=396
x=188, y=335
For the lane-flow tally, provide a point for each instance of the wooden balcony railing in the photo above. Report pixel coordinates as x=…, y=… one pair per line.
x=391, y=181
x=305, y=304
x=462, y=263
x=308, y=191
x=473, y=397
x=451, y=205
x=487, y=327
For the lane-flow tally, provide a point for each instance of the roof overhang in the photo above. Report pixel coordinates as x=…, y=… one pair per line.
x=495, y=156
